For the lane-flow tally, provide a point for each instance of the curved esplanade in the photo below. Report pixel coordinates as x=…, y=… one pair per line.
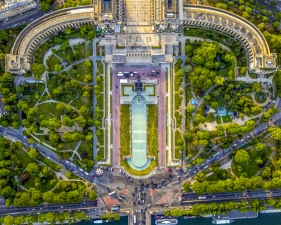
x=257, y=49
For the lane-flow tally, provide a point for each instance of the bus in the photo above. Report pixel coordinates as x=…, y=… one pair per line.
x=202, y=197
x=135, y=219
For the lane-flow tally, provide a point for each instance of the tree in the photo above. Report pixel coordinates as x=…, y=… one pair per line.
x=53, y=136
x=110, y=216
x=188, y=68
x=243, y=70
x=186, y=186
x=88, y=63
x=219, y=80
x=202, y=77
x=50, y=217
x=260, y=147
x=221, y=6
x=198, y=60
x=266, y=173
x=57, y=68
x=241, y=157
x=83, y=155
x=32, y=168
x=66, y=121
x=38, y=69
x=276, y=25
x=188, y=49
x=48, y=196
x=67, y=30
x=24, y=177
x=8, y=220
x=84, y=110
x=190, y=109
x=245, y=15
x=257, y=87
x=33, y=153
x=214, y=105
x=63, y=107
x=22, y=105
x=88, y=78
x=92, y=195
x=45, y=5
x=275, y=133
x=81, y=121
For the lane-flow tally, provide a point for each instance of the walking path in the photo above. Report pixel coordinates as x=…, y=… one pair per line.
x=199, y=103
x=75, y=151
x=266, y=101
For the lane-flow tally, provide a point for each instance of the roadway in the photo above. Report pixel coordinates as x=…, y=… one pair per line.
x=26, y=17
x=191, y=198
x=87, y=206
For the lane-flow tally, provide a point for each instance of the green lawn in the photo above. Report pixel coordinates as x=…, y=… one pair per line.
x=101, y=137
x=83, y=53
x=188, y=94
x=101, y=153
x=80, y=72
x=125, y=136
x=100, y=67
x=226, y=119
x=23, y=157
x=50, y=163
x=218, y=119
x=32, y=93
x=45, y=187
x=67, y=94
x=252, y=75
x=53, y=60
x=251, y=168
x=86, y=146
x=178, y=119
x=82, y=101
x=210, y=118
x=39, y=54
x=177, y=152
x=66, y=55
x=178, y=99
x=48, y=109
x=152, y=140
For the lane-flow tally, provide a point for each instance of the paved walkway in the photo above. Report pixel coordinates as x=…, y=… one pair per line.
x=266, y=101
x=75, y=151
x=199, y=103
x=248, y=79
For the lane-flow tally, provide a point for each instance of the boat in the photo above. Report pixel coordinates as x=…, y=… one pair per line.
x=189, y=217
x=167, y=221
x=222, y=221
x=99, y=221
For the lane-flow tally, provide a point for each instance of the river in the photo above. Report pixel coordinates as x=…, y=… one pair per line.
x=262, y=219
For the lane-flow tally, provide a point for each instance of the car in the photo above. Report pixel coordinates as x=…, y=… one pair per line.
x=132, y=74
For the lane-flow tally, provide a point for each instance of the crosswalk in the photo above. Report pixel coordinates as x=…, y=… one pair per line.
x=16, y=9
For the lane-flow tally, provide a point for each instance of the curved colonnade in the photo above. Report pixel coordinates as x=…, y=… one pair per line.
x=255, y=44
x=248, y=34
x=26, y=43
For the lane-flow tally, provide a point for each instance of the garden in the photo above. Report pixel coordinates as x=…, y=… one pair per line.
x=60, y=112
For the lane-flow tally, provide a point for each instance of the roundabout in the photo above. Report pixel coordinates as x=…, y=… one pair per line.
x=261, y=98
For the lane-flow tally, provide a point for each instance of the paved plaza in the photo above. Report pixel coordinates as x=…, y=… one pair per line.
x=138, y=12
x=161, y=94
